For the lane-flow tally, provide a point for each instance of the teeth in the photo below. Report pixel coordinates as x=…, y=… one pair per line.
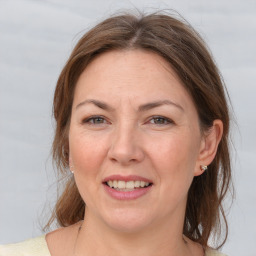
x=120, y=184
x=137, y=184
x=115, y=184
x=129, y=184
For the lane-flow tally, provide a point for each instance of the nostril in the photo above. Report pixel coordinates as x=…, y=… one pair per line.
x=125, y=150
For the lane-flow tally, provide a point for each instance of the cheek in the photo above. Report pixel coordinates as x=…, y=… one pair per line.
x=174, y=150
x=86, y=151
x=87, y=156
x=175, y=159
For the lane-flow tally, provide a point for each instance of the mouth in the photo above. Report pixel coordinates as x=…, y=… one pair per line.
x=126, y=186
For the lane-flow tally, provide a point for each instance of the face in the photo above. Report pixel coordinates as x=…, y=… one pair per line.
x=134, y=141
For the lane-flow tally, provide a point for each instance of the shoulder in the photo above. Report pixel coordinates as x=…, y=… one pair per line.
x=61, y=241
x=211, y=252
x=32, y=247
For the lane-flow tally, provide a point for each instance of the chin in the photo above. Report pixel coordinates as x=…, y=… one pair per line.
x=127, y=221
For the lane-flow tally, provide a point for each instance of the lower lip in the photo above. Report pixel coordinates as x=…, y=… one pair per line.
x=126, y=195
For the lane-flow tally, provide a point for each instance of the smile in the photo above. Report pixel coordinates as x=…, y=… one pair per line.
x=127, y=187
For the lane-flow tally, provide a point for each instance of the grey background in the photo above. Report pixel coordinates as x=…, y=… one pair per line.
x=36, y=37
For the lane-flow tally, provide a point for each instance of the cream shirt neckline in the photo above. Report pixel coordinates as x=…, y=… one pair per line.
x=208, y=252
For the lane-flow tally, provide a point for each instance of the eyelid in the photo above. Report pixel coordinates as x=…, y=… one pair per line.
x=169, y=121
x=88, y=119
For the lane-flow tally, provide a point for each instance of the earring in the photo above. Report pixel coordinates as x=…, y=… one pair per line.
x=70, y=168
x=203, y=167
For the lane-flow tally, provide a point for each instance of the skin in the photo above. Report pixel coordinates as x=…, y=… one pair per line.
x=162, y=143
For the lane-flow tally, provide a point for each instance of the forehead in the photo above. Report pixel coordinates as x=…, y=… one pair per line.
x=136, y=62
x=130, y=74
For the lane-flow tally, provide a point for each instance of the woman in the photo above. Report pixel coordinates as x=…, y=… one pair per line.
x=142, y=122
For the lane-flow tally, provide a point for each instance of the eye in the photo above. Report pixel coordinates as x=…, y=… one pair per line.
x=95, y=120
x=160, y=120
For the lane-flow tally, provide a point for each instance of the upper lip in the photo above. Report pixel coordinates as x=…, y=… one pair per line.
x=126, y=178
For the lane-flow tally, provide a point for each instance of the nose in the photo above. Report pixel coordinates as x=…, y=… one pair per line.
x=126, y=147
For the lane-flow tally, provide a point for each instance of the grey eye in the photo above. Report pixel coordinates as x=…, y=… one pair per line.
x=160, y=120
x=94, y=120
x=97, y=120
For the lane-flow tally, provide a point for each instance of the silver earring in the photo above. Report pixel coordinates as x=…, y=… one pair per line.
x=70, y=168
x=203, y=167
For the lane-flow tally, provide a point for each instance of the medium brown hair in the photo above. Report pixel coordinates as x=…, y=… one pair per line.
x=182, y=47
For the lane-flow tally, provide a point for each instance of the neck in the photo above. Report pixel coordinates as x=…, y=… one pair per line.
x=96, y=239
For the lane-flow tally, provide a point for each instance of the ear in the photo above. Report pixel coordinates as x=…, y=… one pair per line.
x=71, y=166
x=208, y=146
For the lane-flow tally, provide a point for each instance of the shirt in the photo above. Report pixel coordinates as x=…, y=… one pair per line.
x=38, y=247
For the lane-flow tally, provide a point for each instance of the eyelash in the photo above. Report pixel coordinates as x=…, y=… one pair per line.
x=93, y=118
x=164, y=120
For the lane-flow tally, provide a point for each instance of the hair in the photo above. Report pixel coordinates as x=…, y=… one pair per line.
x=182, y=47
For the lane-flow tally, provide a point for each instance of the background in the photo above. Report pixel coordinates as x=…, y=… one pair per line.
x=37, y=36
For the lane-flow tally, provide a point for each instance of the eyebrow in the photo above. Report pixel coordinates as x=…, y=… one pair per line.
x=97, y=103
x=159, y=103
x=141, y=108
